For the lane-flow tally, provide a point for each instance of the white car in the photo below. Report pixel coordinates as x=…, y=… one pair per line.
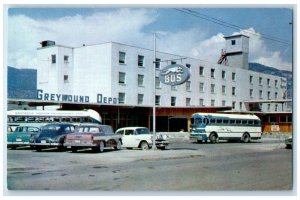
x=140, y=137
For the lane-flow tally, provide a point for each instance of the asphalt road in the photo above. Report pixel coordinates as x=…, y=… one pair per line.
x=185, y=167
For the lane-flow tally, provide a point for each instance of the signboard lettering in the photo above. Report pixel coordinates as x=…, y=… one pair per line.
x=174, y=74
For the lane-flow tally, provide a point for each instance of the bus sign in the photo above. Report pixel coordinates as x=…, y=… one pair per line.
x=174, y=74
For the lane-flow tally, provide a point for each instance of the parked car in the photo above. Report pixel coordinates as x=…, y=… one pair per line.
x=289, y=142
x=51, y=135
x=20, y=136
x=96, y=137
x=140, y=137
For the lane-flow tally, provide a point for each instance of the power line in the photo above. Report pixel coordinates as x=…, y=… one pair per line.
x=232, y=26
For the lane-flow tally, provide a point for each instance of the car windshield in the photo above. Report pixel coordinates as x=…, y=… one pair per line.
x=140, y=131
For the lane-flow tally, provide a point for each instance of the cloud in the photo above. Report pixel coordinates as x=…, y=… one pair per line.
x=125, y=26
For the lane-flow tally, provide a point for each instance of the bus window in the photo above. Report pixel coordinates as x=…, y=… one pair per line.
x=56, y=119
x=232, y=121
x=244, y=121
x=225, y=121
x=219, y=121
x=205, y=121
x=256, y=122
x=199, y=121
x=213, y=121
x=250, y=122
x=238, y=121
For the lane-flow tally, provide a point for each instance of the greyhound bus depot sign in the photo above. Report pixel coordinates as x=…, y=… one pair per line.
x=174, y=74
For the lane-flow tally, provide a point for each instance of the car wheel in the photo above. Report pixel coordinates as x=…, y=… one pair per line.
x=38, y=149
x=246, y=138
x=74, y=149
x=119, y=145
x=144, y=146
x=213, y=138
x=101, y=146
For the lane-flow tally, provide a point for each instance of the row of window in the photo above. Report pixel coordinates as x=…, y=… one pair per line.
x=140, y=97
x=140, y=63
x=122, y=80
x=220, y=121
x=53, y=59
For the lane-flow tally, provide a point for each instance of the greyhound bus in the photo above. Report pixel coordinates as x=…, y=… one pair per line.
x=39, y=118
x=215, y=127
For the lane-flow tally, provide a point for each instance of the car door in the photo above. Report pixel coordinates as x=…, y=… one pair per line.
x=129, y=139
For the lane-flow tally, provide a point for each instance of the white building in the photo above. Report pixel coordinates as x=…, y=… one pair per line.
x=113, y=73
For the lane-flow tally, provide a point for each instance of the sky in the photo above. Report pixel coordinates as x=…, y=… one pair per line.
x=192, y=31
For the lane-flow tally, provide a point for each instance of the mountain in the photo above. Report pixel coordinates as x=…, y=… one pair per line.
x=21, y=83
x=276, y=72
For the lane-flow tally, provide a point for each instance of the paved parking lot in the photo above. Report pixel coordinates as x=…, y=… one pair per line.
x=184, y=166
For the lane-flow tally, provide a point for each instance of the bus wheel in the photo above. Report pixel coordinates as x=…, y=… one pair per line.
x=213, y=138
x=246, y=138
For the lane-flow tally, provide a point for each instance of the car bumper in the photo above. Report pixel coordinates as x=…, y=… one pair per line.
x=161, y=143
x=13, y=144
x=69, y=145
x=195, y=138
x=50, y=144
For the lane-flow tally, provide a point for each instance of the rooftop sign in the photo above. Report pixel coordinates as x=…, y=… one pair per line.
x=174, y=74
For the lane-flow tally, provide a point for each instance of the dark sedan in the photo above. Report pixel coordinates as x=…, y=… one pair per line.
x=51, y=135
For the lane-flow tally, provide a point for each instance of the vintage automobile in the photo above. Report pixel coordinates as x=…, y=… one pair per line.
x=20, y=136
x=97, y=137
x=51, y=135
x=140, y=137
x=289, y=142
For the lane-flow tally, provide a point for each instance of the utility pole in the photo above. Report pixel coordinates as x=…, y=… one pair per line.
x=154, y=87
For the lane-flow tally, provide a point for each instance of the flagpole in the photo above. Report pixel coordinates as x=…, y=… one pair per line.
x=154, y=86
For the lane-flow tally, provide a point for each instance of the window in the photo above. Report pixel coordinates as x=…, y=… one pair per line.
x=233, y=105
x=212, y=102
x=66, y=78
x=122, y=77
x=269, y=107
x=223, y=89
x=260, y=94
x=241, y=105
x=276, y=95
x=201, y=71
x=276, y=83
x=66, y=59
x=157, y=100
x=268, y=82
x=283, y=119
x=122, y=57
x=140, y=80
x=140, y=60
x=276, y=107
x=121, y=98
x=212, y=73
x=201, y=102
x=233, y=91
x=157, y=83
x=201, y=87
x=53, y=59
x=223, y=75
x=223, y=102
x=251, y=79
x=188, y=86
x=233, y=42
x=260, y=81
x=212, y=88
x=269, y=95
x=188, y=66
x=188, y=101
x=140, y=99
x=173, y=62
x=157, y=63
x=233, y=76
x=251, y=93
x=173, y=101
